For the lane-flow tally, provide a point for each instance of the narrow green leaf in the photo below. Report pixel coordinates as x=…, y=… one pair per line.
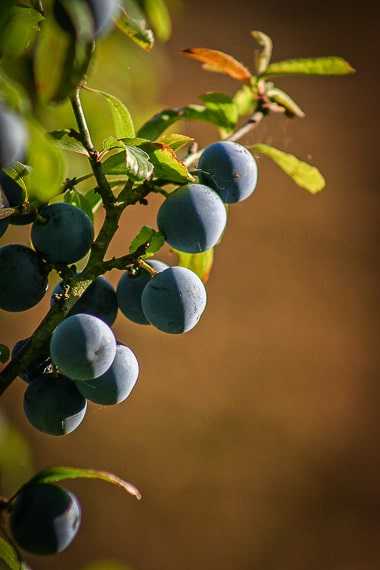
x=200, y=263
x=136, y=30
x=121, y=116
x=4, y=353
x=47, y=165
x=303, y=173
x=284, y=100
x=244, y=100
x=263, y=56
x=326, y=65
x=19, y=173
x=58, y=474
x=8, y=556
x=148, y=237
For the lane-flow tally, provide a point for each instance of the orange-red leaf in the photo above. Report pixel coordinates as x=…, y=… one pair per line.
x=220, y=62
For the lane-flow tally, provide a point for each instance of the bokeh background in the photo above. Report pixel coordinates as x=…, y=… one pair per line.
x=255, y=438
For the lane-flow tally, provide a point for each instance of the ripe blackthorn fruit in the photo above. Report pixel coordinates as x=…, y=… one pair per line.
x=230, y=169
x=53, y=404
x=62, y=233
x=83, y=347
x=23, y=278
x=192, y=218
x=115, y=385
x=130, y=288
x=174, y=300
x=44, y=518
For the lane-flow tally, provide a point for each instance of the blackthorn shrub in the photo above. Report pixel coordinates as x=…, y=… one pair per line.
x=129, y=290
x=230, y=169
x=44, y=518
x=62, y=233
x=83, y=347
x=23, y=278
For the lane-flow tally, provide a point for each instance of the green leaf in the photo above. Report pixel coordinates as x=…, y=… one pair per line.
x=224, y=109
x=29, y=15
x=200, y=263
x=132, y=162
x=47, y=165
x=19, y=34
x=161, y=121
x=244, y=100
x=65, y=141
x=13, y=95
x=327, y=65
x=58, y=474
x=88, y=202
x=264, y=55
x=19, y=173
x=303, y=173
x=8, y=556
x=158, y=14
x=121, y=116
x=282, y=99
x=61, y=61
x=152, y=239
x=158, y=160
x=175, y=141
x=136, y=30
x=4, y=353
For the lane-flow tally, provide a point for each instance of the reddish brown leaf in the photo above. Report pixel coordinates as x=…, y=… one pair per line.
x=219, y=62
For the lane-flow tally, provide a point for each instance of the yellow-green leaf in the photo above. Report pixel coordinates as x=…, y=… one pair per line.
x=8, y=556
x=303, y=173
x=200, y=263
x=121, y=116
x=263, y=56
x=326, y=65
x=46, y=163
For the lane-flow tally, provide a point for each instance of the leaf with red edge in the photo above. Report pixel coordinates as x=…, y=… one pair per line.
x=219, y=62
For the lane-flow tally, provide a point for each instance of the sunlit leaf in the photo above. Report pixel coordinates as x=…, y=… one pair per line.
x=218, y=61
x=61, y=61
x=58, y=474
x=244, y=100
x=200, y=263
x=46, y=163
x=224, y=108
x=327, y=65
x=132, y=161
x=263, y=56
x=19, y=173
x=4, y=353
x=8, y=556
x=303, y=173
x=136, y=30
x=159, y=17
x=122, y=119
x=148, y=237
x=175, y=141
x=281, y=98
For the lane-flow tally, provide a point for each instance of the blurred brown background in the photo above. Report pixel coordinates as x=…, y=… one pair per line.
x=254, y=438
